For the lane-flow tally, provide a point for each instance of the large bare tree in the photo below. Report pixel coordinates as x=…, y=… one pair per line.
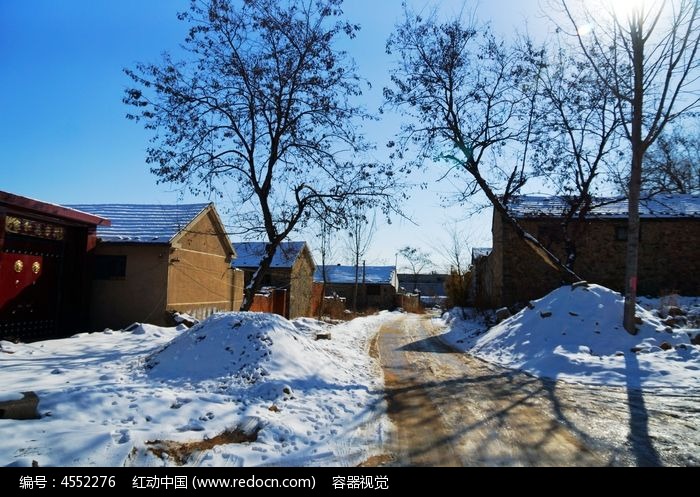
x=577, y=124
x=262, y=109
x=467, y=99
x=647, y=54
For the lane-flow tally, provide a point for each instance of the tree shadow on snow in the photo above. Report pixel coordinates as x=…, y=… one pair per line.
x=501, y=417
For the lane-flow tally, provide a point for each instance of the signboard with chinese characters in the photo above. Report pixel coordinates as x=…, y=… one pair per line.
x=29, y=227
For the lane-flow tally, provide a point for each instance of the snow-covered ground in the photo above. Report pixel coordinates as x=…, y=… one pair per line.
x=104, y=396
x=575, y=334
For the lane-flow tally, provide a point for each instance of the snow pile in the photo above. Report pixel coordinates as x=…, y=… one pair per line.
x=106, y=398
x=575, y=334
x=242, y=347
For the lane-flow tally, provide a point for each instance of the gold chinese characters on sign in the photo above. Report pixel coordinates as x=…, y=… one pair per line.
x=19, y=265
x=36, y=267
x=30, y=227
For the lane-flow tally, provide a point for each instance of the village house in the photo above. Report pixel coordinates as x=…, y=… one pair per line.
x=289, y=281
x=377, y=285
x=44, y=268
x=668, y=257
x=431, y=284
x=158, y=259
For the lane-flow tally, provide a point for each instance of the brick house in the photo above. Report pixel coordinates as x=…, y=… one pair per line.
x=668, y=258
x=291, y=270
x=377, y=285
x=156, y=259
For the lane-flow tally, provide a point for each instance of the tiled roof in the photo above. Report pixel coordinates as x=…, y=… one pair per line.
x=375, y=275
x=249, y=254
x=660, y=206
x=142, y=223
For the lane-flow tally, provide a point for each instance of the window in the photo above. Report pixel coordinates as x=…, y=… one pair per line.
x=110, y=267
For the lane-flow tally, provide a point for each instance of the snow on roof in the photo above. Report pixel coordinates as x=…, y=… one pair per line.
x=249, y=254
x=660, y=206
x=142, y=223
x=376, y=275
x=479, y=252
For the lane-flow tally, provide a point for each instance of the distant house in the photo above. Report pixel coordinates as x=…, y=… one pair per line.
x=429, y=285
x=44, y=268
x=155, y=259
x=292, y=270
x=377, y=285
x=668, y=258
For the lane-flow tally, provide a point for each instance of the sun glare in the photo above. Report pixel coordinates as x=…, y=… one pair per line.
x=624, y=8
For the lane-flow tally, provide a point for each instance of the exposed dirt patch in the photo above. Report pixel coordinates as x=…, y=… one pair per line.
x=181, y=452
x=451, y=408
x=374, y=347
x=378, y=461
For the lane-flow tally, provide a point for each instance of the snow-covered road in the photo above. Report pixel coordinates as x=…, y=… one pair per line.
x=453, y=409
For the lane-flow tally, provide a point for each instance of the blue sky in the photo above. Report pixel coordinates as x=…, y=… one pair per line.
x=64, y=137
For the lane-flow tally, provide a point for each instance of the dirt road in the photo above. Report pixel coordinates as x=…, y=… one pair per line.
x=451, y=409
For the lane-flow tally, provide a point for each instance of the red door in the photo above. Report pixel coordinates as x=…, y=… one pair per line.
x=29, y=290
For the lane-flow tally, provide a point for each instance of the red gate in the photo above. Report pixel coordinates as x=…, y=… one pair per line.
x=30, y=272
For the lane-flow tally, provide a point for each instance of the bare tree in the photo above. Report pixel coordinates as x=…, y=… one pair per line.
x=577, y=126
x=455, y=249
x=417, y=260
x=361, y=231
x=468, y=100
x=648, y=57
x=672, y=164
x=326, y=249
x=262, y=104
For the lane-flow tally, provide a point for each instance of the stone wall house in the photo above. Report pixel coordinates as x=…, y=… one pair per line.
x=668, y=259
x=292, y=269
x=377, y=285
x=157, y=259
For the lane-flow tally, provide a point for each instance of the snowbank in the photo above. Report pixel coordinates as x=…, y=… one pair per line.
x=105, y=397
x=243, y=348
x=575, y=334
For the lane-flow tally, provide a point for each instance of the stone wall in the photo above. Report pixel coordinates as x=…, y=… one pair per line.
x=668, y=260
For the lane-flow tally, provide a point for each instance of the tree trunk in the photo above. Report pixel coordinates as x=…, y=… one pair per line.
x=631, y=262
x=322, y=304
x=255, y=282
x=532, y=242
x=357, y=276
